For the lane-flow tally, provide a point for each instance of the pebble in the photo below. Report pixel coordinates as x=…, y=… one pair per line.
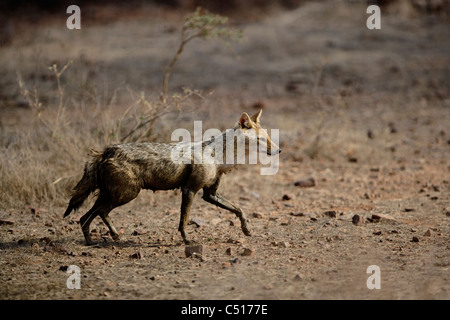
x=137, y=255
x=192, y=250
x=305, y=183
x=248, y=252
x=357, y=220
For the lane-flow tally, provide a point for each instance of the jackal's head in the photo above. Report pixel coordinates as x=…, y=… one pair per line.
x=253, y=132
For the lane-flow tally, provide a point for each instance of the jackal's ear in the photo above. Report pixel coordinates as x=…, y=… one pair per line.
x=245, y=120
x=255, y=117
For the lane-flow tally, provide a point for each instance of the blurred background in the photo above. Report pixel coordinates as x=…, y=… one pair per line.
x=314, y=67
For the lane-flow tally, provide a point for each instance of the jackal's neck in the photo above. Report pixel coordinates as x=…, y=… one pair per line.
x=223, y=149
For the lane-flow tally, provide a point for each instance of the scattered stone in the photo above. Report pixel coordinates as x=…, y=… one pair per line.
x=284, y=244
x=357, y=220
x=137, y=255
x=377, y=233
x=138, y=232
x=6, y=222
x=330, y=213
x=305, y=183
x=434, y=198
x=257, y=215
x=352, y=159
x=409, y=209
x=392, y=127
x=87, y=254
x=447, y=213
x=193, y=250
x=236, y=260
x=370, y=134
x=428, y=233
x=63, y=268
x=297, y=214
x=297, y=277
x=248, y=252
x=383, y=216
x=415, y=239
x=229, y=251
x=286, y=197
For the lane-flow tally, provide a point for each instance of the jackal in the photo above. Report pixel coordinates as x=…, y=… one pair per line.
x=122, y=170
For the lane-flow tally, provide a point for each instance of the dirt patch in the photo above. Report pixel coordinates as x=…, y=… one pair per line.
x=364, y=114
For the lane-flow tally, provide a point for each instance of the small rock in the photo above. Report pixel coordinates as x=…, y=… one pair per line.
x=305, y=183
x=377, y=233
x=284, y=244
x=138, y=232
x=297, y=214
x=257, y=215
x=286, y=197
x=357, y=220
x=330, y=213
x=415, y=239
x=383, y=216
x=6, y=222
x=235, y=260
x=137, y=255
x=428, y=233
x=229, y=251
x=297, y=277
x=248, y=252
x=193, y=250
x=409, y=209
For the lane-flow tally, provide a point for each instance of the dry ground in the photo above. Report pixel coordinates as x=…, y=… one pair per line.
x=365, y=113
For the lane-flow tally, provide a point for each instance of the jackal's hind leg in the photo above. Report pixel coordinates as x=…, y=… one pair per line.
x=223, y=203
x=85, y=222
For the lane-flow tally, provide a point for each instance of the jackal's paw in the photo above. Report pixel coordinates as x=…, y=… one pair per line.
x=89, y=243
x=115, y=237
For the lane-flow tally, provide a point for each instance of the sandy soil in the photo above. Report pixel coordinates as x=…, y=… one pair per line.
x=365, y=113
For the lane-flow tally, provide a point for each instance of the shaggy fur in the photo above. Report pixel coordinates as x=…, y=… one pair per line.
x=121, y=171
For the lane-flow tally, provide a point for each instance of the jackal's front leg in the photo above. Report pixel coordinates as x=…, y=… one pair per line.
x=221, y=202
x=186, y=202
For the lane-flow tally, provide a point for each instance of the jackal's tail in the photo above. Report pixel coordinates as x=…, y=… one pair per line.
x=86, y=185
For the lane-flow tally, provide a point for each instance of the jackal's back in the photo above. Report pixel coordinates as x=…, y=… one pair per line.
x=143, y=165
